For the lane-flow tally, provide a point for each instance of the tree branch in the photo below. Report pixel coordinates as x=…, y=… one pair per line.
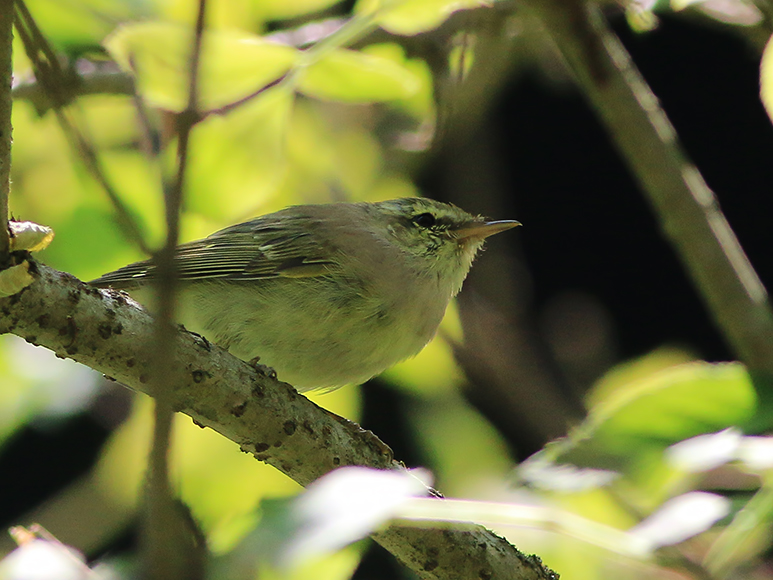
x=106, y=331
x=688, y=210
x=6, y=79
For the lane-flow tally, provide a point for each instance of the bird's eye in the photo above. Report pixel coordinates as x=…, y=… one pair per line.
x=424, y=220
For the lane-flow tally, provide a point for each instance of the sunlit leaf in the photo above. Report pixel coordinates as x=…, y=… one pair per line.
x=648, y=413
x=241, y=156
x=682, y=517
x=281, y=9
x=337, y=509
x=39, y=559
x=756, y=452
x=766, y=78
x=409, y=17
x=353, y=77
x=233, y=64
x=705, y=452
x=539, y=472
x=674, y=404
x=738, y=12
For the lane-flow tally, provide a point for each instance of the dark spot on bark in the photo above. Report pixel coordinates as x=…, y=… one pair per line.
x=430, y=565
x=289, y=427
x=485, y=575
x=257, y=390
x=73, y=296
x=130, y=362
x=327, y=431
x=144, y=378
x=336, y=461
x=238, y=410
x=286, y=467
x=261, y=447
x=71, y=350
x=277, y=443
x=307, y=426
x=105, y=331
x=118, y=328
x=110, y=312
x=43, y=320
x=199, y=376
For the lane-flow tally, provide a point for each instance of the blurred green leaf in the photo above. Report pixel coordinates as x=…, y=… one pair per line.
x=37, y=385
x=233, y=64
x=420, y=104
x=629, y=423
x=75, y=26
x=354, y=77
x=240, y=157
x=409, y=17
x=672, y=405
x=282, y=9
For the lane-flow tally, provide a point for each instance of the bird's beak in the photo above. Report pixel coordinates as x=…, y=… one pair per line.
x=484, y=230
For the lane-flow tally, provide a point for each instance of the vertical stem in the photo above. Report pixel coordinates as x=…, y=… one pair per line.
x=169, y=552
x=688, y=210
x=6, y=79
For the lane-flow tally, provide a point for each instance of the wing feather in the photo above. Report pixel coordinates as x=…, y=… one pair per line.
x=266, y=247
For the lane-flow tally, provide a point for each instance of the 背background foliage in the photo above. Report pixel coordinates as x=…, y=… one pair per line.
x=479, y=112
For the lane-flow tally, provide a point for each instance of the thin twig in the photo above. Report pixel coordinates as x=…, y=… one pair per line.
x=105, y=80
x=6, y=78
x=168, y=553
x=688, y=210
x=57, y=85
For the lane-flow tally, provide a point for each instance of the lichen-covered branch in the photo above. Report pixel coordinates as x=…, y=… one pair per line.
x=269, y=419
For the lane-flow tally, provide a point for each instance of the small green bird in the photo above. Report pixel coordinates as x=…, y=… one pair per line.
x=328, y=294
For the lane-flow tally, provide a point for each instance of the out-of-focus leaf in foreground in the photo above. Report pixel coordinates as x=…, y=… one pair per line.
x=336, y=510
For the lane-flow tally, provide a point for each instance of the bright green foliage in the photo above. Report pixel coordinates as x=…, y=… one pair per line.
x=409, y=17
x=319, y=135
x=233, y=65
x=648, y=412
x=672, y=405
x=354, y=77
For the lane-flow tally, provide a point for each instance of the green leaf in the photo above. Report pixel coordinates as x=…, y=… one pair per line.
x=409, y=17
x=632, y=422
x=674, y=404
x=282, y=9
x=353, y=77
x=233, y=64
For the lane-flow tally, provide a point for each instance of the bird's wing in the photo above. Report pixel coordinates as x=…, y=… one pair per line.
x=268, y=247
